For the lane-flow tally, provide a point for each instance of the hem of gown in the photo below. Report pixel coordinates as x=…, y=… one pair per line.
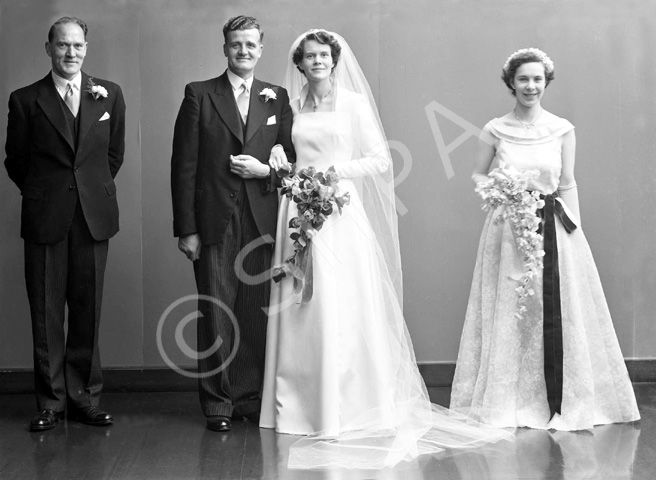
x=578, y=429
x=555, y=424
x=271, y=427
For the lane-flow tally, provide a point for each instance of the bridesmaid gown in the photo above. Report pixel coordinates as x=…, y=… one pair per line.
x=499, y=375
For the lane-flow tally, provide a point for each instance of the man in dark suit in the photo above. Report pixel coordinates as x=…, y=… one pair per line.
x=225, y=207
x=65, y=142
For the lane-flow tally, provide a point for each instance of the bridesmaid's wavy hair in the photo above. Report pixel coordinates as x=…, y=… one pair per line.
x=519, y=58
x=65, y=20
x=323, y=38
x=241, y=22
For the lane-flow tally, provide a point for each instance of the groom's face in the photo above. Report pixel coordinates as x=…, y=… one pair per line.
x=243, y=49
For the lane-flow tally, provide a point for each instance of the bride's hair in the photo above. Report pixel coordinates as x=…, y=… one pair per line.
x=323, y=38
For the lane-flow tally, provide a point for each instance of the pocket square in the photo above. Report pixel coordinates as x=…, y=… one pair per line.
x=271, y=120
x=104, y=117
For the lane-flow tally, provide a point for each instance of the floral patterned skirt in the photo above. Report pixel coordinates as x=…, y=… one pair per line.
x=499, y=375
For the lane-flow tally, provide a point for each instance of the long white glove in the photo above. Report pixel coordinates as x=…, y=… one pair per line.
x=570, y=195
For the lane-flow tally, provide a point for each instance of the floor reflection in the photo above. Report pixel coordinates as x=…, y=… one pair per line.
x=607, y=452
x=163, y=436
x=275, y=452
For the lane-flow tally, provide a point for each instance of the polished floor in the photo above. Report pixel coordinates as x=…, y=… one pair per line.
x=162, y=436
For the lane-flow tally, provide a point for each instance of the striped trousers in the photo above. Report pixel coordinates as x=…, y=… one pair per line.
x=230, y=377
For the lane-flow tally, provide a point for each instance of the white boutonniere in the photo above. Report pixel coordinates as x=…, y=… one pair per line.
x=96, y=91
x=267, y=94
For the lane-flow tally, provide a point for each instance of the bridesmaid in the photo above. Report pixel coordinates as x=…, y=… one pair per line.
x=551, y=360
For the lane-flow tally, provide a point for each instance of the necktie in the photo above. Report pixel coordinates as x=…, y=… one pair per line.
x=242, y=102
x=69, y=98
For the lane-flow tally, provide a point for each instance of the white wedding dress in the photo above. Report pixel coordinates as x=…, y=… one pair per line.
x=328, y=360
x=341, y=367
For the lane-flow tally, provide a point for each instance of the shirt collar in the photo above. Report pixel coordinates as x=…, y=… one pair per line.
x=236, y=81
x=61, y=82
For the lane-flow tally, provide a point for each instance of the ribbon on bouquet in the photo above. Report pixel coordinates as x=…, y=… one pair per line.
x=552, y=326
x=300, y=269
x=305, y=283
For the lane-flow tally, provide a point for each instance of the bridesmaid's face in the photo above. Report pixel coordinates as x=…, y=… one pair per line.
x=317, y=62
x=529, y=83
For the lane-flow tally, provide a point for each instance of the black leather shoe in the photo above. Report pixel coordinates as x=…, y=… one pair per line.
x=45, y=420
x=219, y=423
x=92, y=416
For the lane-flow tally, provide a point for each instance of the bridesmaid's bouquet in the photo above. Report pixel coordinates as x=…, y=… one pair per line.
x=508, y=187
x=315, y=194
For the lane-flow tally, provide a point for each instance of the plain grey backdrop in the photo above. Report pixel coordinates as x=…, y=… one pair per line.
x=438, y=59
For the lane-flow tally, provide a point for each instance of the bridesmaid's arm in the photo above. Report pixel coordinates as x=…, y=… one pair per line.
x=484, y=156
x=567, y=186
x=568, y=155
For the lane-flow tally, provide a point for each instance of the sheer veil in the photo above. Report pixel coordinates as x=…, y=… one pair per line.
x=376, y=184
x=407, y=424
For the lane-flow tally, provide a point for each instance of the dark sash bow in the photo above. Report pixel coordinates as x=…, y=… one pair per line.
x=552, y=326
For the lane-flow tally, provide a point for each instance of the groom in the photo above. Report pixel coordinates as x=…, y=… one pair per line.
x=225, y=207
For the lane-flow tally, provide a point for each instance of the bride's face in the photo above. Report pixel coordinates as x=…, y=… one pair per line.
x=317, y=62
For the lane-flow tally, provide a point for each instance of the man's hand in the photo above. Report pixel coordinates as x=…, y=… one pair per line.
x=247, y=166
x=190, y=246
x=278, y=159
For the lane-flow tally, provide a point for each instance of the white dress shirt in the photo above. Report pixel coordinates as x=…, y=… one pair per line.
x=236, y=81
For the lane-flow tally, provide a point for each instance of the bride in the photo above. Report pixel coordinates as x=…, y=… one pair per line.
x=340, y=368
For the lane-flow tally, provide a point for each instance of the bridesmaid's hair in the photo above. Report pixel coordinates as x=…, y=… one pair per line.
x=519, y=58
x=241, y=22
x=65, y=20
x=323, y=38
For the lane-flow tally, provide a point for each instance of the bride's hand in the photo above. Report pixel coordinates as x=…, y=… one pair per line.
x=278, y=159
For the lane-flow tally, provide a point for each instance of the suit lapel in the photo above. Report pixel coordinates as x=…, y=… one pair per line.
x=90, y=110
x=50, y=102
x=224, y=102
x=257, y=110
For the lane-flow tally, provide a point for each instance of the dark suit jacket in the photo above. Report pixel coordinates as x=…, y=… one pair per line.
x=208, y=130
x=51, y=173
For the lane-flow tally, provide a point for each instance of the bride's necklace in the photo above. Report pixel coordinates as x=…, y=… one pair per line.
x=316, y=104
x=528, y=125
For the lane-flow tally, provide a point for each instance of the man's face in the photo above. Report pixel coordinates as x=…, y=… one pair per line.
x=243, y=49
x=67, y=50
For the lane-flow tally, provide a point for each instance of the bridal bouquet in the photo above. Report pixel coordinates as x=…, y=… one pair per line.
x=315, y=194
x=508, y=187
